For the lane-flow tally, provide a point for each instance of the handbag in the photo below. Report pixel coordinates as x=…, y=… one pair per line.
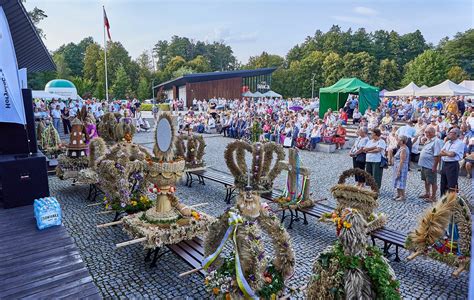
x=383, y=162
x=361, y=157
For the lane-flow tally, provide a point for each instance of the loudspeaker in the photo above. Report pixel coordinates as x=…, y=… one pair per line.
x=15, y=137
x=23, y=179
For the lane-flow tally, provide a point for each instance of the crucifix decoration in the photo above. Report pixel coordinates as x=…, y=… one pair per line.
x=297, y=183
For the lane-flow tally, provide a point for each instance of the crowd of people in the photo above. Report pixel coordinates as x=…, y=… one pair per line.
x=64, y=111
x=438, y=133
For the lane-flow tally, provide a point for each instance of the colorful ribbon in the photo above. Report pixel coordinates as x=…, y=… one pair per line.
x=234, y=221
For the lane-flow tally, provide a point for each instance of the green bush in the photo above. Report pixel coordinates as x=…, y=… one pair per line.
x=146, y=107
x=161, y=106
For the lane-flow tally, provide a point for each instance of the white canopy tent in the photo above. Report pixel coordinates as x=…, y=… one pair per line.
x=409, y=90
x=247, y=94
x=257, y=94
x=272, y=94
x=45, y=95
x=468, y=84
x=445, y=88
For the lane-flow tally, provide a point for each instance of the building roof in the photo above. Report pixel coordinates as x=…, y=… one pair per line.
x=59, y=83
x=31, y=53
x=198, y=77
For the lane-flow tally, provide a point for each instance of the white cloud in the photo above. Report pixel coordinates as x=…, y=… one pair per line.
x=225, y=35
x=351, y=19
x=365, y=11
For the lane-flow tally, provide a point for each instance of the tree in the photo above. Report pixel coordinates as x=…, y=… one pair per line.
x=36, y=16
x=265, y=60
x=332, y=68
x=428, y=68
x=457, y=74
x=145, y=64
x=62, y=69
x=361, y=65
x=121, y=86
x=174, y=64
x=74, y=55
x=412, y=45
x=360, y=41
x=459, y=50
x=91, y=56
x=199, y=64
x=301, y=73
x=85, y=87
x=388, y=75
x=144, y=89
x=182, y=71
x=161, y=52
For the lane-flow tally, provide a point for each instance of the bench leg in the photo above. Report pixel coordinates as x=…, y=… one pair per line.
x=305, y=222
x=201, y=180
x=187, y=179
x=283, y=216
x=373, y=240
x=95, y=191
x=397, y=258
x=227, y=195
x=191, y=180
x=148, y=255
x=155, y=257
x=292, y=217
x=297, y=218
x=89, y=195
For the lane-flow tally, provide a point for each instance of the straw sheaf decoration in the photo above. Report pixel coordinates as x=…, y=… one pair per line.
x=263, y=175
x=362, y=199
x=106, y=127
x=97, y=148
x=284, y=260
x=168, y=155
x=191, y=148
x=251, y=247
x=124, y=130
x=433, y=225
x=323, y=278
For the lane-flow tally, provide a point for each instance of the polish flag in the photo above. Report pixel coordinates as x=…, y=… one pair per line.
x=107, y=25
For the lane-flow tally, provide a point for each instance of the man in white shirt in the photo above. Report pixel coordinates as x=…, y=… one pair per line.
x=56, y=115
x=428, y=161
x=451, y=153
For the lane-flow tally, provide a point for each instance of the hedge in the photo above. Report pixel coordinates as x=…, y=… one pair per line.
x=148, y=106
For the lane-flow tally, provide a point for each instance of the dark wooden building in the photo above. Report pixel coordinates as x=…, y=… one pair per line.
x=229, y=84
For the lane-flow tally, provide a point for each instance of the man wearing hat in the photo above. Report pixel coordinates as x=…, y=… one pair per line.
x=451, y=153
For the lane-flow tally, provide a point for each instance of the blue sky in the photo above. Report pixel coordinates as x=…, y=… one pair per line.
x=250, y=27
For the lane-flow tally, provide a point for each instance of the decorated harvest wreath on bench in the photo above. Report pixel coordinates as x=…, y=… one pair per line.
x=168, y=221
x=444, y=233
x=362, y=199
x=191, y=148
x=296, y=193
x=351, y=269
x=247, y=271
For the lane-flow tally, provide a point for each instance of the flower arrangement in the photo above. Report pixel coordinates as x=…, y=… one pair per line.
x=138, y=202
x=222, y=283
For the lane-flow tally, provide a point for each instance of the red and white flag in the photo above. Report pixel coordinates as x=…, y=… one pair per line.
x=106, y=24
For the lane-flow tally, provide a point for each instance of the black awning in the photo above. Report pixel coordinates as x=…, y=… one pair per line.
x=31, y=53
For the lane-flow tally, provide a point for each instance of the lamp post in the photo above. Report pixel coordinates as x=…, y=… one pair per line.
x=153, y=92
x=312, y=86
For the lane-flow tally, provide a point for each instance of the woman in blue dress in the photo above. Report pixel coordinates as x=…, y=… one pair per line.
x=400, y=168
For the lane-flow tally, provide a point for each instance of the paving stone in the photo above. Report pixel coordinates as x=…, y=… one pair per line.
x=123, y=272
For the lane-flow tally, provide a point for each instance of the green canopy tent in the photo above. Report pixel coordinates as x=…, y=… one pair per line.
x=335, y=96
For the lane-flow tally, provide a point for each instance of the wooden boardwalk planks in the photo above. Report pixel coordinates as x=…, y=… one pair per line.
x=38, y=264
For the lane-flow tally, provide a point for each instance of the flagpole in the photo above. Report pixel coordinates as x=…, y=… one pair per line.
x=105, y=56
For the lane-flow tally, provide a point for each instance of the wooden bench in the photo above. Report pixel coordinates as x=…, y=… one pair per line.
x=389, y=238
x=190, y=251
x=213, y=175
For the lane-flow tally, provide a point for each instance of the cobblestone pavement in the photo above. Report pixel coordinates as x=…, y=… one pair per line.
x=123, y=273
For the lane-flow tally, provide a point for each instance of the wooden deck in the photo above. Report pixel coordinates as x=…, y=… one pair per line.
x=38, y=264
